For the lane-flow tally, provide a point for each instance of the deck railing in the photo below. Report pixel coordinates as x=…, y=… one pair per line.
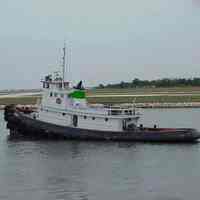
x=113, y=110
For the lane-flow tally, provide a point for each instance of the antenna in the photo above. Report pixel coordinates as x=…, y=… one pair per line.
x=63, y=65
x=66, y=61
x=69, y=57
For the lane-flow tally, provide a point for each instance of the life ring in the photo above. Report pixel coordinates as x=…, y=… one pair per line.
x=58, y=101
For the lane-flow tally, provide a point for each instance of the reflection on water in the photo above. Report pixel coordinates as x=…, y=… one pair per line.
x=98, y=170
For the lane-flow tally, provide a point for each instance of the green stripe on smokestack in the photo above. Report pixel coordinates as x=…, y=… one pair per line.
x=79, y=94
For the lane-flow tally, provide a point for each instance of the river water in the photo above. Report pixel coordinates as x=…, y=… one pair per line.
x=47, y=170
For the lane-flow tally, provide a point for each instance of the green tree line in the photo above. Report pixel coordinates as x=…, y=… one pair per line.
x=166, y=82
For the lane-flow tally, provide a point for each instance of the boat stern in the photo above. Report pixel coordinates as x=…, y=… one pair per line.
x=190, y=135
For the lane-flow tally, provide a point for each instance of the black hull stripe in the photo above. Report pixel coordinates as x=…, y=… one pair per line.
x=20, y=124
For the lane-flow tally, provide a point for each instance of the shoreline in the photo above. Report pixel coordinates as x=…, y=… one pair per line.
x=137, y=105
x=140, y=98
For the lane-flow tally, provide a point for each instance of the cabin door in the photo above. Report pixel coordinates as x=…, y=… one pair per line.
x=124, y=124
x=75, y=120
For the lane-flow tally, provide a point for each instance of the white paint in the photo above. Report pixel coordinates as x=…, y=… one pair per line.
x=58, y=108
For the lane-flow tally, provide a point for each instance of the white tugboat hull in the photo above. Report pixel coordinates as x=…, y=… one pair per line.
x=21, y=124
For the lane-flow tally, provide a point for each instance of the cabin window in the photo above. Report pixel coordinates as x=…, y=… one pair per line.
x=51, y=94
x=115, y=112
x=64, y=114
x=106, y=119
x=55, y=94
x=62, y=95
x=93, y=118
x=85, y=117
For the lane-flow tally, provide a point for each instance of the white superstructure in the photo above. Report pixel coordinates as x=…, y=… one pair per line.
x=66, y=106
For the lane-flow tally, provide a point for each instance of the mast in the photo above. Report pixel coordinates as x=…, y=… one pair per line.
x=64, y=65
x=69, y=58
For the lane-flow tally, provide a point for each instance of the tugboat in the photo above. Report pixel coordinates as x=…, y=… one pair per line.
x=65, y=113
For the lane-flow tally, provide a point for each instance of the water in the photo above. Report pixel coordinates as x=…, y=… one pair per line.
x=95, y=170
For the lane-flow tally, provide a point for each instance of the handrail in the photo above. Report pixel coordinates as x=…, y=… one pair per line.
x=81, y=111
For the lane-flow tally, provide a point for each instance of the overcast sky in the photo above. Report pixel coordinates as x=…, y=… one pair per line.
x=111, y=40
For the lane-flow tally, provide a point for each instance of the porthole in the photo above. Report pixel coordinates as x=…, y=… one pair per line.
x=64, y=114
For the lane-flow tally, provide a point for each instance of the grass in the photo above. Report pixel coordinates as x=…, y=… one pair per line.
x=194, y=97
x=109, y=100
x=29, y=100
x=191, y=90
x=150, y=99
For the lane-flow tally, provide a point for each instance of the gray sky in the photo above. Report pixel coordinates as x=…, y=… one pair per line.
x=112, y=40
